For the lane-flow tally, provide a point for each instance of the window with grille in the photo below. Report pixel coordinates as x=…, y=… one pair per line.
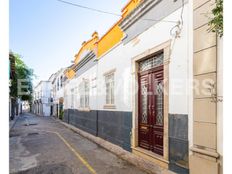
x=61, y=81
x=152, y=62
x=159, y=104
x=72, y=98
x=109, y=80
x=144, y=102
x=84, y=94
x=57, y=84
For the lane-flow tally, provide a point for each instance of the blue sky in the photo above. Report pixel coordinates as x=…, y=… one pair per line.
x=48, y=33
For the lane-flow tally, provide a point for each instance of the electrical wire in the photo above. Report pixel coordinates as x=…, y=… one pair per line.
x=88, y=8
x=178, y=27
x=160, y=20
x=181, y=14
x=176, y=30
x=106, y=12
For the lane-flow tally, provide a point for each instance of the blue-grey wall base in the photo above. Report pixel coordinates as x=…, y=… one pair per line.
x=113, y=126
x=178, y=143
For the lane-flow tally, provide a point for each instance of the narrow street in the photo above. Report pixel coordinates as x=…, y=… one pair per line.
x=41, y=145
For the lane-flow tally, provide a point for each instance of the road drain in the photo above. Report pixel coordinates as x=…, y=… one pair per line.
x=33, y=133
x=14, y=135
x=30, y=124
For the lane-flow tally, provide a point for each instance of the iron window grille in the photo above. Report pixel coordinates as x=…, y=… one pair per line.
x=109, y=80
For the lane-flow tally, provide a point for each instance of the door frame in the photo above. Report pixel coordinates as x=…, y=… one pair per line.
x=165, y=47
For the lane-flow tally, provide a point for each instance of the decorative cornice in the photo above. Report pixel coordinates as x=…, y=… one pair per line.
x=86, y=59
x=137, y=13
x=87, y=46
x=130, y=7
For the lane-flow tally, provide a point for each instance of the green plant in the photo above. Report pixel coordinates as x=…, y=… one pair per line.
x=61, y=115
x=22, y=71
x=216, y=23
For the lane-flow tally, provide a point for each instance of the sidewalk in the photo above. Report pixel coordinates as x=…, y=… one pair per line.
x=12, y=122
x=146, y=165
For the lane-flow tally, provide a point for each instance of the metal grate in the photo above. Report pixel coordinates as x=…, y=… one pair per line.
x=152, y=62
x=144, y=103
x=159, y=104
x=33, y=133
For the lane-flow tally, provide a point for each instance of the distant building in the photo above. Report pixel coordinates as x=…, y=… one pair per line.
x=57, y=92
x=42, y=99
x=25, y=106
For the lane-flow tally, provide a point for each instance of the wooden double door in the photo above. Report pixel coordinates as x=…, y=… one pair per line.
x=151, y=110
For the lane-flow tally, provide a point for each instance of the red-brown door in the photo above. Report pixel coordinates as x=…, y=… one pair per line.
x=144, y=122
x=151, y=110
x=157, y=111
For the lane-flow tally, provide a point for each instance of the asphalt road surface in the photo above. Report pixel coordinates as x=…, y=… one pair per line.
x=42, y=145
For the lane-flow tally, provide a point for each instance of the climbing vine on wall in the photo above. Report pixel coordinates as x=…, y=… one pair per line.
x=216, y=23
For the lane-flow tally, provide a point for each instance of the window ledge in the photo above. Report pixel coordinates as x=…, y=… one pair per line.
x=109, y=106
x=205, y=152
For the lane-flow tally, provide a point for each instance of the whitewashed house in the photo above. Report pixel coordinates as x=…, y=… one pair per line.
x=134, y=86
x=42, y=98
x=58, y=92
x=108, y=86
x=25, y=106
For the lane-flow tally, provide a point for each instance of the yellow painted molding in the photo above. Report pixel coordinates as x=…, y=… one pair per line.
x=131, y=5
x=87, y=46
x=70, y=73
x=112, y=37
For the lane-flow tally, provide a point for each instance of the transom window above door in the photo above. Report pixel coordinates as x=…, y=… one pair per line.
x=152, y=62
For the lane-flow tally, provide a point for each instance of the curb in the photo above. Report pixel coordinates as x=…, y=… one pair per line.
x=143, y=164
x=14, y=122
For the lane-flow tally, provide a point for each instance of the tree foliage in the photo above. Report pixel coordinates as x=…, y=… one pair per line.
x=216, y=23
x=22, y=72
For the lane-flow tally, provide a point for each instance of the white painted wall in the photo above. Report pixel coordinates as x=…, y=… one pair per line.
x=58, y=93
x=44, y=90
x=46, y=109
x=119, y=58
x=74, y=84
x=189, y=8
x=25, y=106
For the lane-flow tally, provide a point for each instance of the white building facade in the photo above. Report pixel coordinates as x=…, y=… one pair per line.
x=109, y=95
x=58, y=93
x=135, y=86
x=42, y=99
